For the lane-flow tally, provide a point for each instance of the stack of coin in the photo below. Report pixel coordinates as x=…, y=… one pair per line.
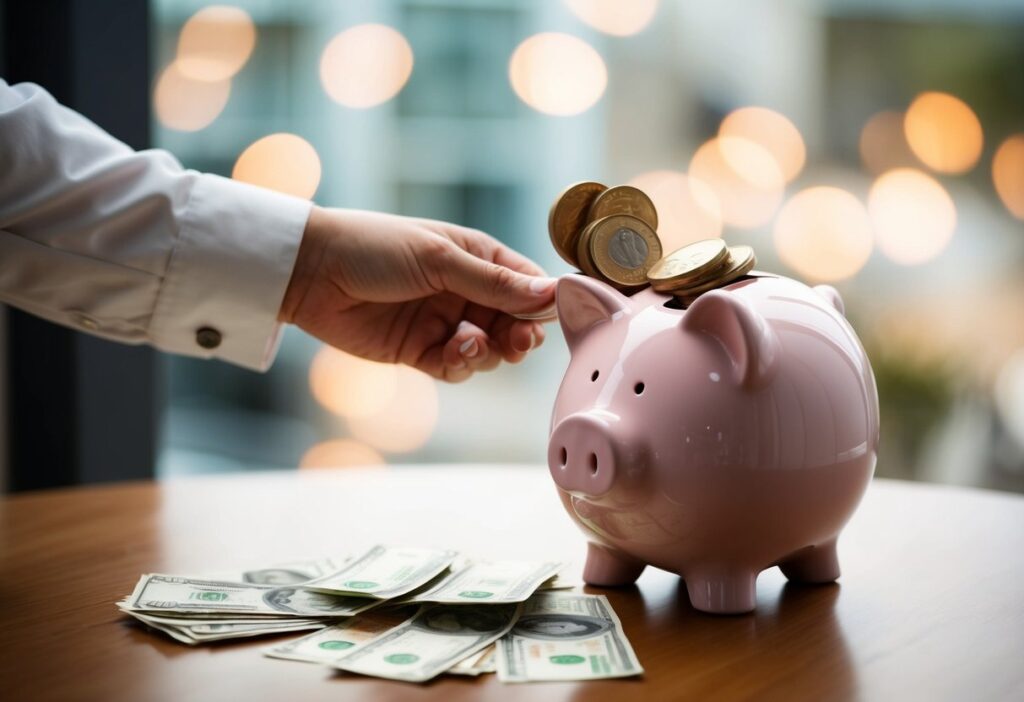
x=608, y=233
x=696, y=268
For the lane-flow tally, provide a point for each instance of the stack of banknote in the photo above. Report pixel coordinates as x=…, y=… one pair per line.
x=402, y=613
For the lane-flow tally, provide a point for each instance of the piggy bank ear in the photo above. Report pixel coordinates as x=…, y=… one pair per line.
x=583, y=302
x=741, y=331
x=831, y=296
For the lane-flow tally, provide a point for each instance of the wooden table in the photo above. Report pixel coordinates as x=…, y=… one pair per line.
x=931, y=605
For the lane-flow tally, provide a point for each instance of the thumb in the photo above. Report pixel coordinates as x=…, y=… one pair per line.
x=493, y=285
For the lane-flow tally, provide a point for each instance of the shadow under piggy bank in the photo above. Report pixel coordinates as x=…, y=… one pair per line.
x=791, y=647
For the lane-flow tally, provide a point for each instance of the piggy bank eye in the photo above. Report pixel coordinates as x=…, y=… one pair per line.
x=639, y=388
x=593, y=376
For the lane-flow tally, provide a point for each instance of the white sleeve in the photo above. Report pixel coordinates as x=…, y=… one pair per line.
x=132, y=247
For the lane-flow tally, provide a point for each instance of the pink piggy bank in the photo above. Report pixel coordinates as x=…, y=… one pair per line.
x=713, y=441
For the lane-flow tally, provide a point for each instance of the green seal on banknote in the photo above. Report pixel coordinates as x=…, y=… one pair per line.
x=402, y=658
x=567, y=659
x=360, y=584
x=209, y=596
x=476, y=594
x=336, y=645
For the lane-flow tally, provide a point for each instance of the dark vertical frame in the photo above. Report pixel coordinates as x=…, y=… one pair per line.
x=80, y=409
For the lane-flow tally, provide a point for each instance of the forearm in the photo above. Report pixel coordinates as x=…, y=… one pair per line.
x=131, y=246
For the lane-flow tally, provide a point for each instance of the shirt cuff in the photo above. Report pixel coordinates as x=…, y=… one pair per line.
x=228, y=273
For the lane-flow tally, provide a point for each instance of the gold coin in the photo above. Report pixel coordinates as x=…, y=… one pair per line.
x=583, y=257
x=623, y=248
x=624, y=200
x=688, y=264
x=741, y=261
x=568, y=216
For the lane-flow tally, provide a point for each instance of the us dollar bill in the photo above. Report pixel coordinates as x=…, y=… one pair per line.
x=343, y=638
x=193, y=634
x=168, y=593
x=385, y=572
x=438, y=637
x=476, y=664
x=286, y=573
x=566, y=636
x=566, y=579
x=491, y=582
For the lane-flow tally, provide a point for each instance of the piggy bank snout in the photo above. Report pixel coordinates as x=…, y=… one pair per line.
x=582, y=455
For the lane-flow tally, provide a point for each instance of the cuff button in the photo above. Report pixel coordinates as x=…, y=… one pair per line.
x=208, y=337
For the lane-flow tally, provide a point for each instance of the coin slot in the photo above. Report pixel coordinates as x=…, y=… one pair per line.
x=593, y=376
x=675, y=303
x=639, y=388
x=593, y=464
x=565, y=457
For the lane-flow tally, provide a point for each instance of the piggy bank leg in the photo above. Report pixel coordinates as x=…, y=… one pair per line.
x=818, y=564
x=722, y=593
x=608, y=567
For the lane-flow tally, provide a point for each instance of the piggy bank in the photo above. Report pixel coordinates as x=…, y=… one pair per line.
x=714, y=441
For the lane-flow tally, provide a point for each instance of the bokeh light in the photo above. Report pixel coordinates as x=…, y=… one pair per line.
x=616, y=17
x=912, y=215
x=186, y=104
x=688, y=210
x=824, y=234
x=366, y=65
x=283, y=162
x=339, y=453
x=557, y=74
x=943, y=132
x=216, y=42
x=743, y=175
x=883, y=145
x=408, y=419
x=350, y=386
x=771, y=130
x=1008, y=174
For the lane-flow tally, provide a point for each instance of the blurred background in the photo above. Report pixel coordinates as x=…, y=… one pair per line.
x=876, y=146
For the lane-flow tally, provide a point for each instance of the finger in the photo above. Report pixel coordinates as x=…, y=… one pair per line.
x=483, y=245
x=468, y=347
x=492, y=284
x=515, y=338
x=538, y=335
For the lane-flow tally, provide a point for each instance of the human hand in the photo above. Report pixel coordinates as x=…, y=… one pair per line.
x=435, y=296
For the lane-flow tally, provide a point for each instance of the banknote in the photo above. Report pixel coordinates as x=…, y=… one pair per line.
x=491, y=582
x=169, y=593
x=168, y=619
x=476, y=664
x=385, y=572
x=438, y=637
x=566, y=636
x=564, y=580
x=345, y=637
x=286, y=573
x=201, y=633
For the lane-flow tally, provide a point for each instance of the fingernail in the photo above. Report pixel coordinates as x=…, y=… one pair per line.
x=542, y=286
x=469, y=348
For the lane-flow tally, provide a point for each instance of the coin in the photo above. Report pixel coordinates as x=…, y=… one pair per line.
x=741, y=261
x=624, y=200
x=688, y=264
x=584, y=258
x=623, y=248
x=568, y=216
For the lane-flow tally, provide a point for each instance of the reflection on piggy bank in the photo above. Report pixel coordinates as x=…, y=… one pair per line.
x=714, y=441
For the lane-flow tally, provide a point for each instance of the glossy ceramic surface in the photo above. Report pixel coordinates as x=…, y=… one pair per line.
x=715, y=441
